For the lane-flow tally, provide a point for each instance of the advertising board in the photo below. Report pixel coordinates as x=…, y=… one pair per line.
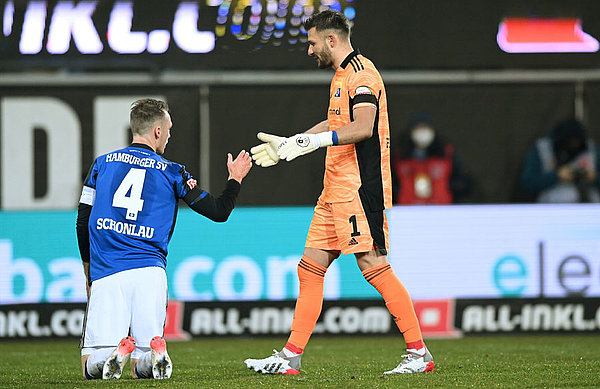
x=439, y=252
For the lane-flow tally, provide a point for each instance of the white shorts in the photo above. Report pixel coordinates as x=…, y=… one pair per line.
x=131, y=302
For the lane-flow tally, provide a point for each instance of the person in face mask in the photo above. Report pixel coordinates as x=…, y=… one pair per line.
x=425, y=170
x=562, y=166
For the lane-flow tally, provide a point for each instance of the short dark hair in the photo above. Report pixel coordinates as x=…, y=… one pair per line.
x=329, y=20
x=144, y=113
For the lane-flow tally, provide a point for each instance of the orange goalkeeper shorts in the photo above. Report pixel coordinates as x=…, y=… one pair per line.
x=346, y=227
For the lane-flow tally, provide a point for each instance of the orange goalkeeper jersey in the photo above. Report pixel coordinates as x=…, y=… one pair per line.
x=364, y=166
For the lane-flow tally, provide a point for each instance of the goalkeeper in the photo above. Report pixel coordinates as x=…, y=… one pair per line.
x=350, y=214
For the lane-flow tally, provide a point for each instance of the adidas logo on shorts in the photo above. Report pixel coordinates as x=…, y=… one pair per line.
x=352, y=242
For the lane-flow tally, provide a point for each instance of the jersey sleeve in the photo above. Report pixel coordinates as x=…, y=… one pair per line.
x=88, y=193
x=364, y=89
x=200, y=201
x=84, y=209
x=185, y=183
x=216, y=209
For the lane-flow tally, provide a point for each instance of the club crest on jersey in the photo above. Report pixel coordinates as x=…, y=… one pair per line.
x=338, y=93
x=363, y=90
x=191, y=183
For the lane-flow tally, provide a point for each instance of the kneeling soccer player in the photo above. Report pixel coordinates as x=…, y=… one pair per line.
x=125, y=219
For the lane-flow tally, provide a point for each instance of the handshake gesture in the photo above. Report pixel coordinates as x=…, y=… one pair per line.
x=276, y=147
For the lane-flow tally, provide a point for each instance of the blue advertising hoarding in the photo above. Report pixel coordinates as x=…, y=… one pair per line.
x=438, y=252
x=252, y=256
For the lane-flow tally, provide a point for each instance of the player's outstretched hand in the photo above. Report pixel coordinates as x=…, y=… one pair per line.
x=240, y=166
x=265, y=154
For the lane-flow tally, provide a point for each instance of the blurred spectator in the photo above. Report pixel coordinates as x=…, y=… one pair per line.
x=562, y=166
x=425, y=170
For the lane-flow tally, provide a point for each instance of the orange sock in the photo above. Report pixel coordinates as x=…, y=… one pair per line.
x=309, y=303
x=397, y=301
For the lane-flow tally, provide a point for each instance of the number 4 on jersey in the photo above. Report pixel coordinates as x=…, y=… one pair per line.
x=134, y=182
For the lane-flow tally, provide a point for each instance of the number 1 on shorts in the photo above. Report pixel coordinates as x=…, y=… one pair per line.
x=355, y=231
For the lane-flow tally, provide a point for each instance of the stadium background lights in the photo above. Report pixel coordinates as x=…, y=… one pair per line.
x=7, y=21
x=72, y=22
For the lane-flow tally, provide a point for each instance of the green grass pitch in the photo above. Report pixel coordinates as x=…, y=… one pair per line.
x=334, y=362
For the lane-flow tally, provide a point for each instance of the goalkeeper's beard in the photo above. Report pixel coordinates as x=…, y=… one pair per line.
x=324, y=58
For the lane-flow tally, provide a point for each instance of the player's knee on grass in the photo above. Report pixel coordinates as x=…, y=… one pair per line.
x=84, y=359
x=93, y=363
x=133, y=364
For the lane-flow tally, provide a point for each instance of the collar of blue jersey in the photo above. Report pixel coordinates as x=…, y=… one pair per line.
x=141, y=146
x=346, y=61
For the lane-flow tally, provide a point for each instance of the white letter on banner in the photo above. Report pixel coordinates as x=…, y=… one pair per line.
x=252, y=280
x=75, y=322
x=158, y=41
x=58, y=322
x=183, y=278
x=120, y=37
x=34, y=24
x=111, y=122
x=185, y=30
x=71, y=284
x=279, y=272
x=26, y=268
x=68, y=20
x=20, y=116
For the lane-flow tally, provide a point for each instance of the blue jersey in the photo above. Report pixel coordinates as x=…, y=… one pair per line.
x=134, y=194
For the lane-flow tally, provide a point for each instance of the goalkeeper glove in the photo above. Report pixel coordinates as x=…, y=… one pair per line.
x=301, y=144
x=265, y=154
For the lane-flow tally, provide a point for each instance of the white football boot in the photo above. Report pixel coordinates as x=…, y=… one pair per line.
x=276, y=364
x=414, y=363
x=162, y=367
x=113, y=366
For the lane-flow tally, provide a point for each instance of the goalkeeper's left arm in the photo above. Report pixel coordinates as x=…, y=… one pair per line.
x=358, y=130
x=319, y=127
